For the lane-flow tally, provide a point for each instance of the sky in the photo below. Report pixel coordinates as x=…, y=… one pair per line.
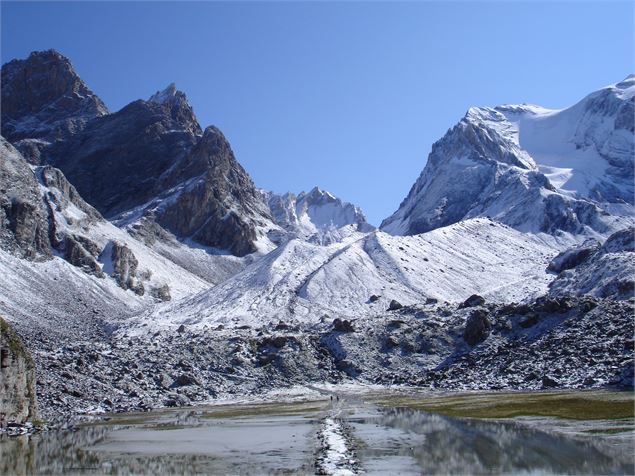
x=349, y=96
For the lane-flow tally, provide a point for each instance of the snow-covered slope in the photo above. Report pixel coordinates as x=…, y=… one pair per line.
x=302, y=281
x=317, y=216
x=531, y=168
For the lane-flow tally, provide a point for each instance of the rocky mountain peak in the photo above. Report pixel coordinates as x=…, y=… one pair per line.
x=44, y=98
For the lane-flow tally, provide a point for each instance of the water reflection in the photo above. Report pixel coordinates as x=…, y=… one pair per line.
x=453, y=445
x=388, y=441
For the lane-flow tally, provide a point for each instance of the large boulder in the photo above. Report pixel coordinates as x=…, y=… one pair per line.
x=124, y=267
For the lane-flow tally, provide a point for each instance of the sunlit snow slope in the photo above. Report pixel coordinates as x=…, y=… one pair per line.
x=302, y=281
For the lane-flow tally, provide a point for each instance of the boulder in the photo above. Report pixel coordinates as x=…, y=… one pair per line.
x=394, y=305
x=477, y=327
x=184, y=380
x=340, y=325
x=473, y=301
x=162, y=293
x=548, y=382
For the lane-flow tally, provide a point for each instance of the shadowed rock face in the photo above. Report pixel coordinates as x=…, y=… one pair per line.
x=17, y=378
x=44, y=98
x=123, y=160
x=221, y=207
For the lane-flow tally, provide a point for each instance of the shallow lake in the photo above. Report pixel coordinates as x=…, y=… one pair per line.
x=369, y=431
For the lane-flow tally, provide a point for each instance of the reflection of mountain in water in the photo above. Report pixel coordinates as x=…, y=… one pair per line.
x=456, y=445
x=436, y=444
x=64, y=452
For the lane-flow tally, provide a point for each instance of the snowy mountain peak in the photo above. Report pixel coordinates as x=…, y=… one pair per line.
x=529, y=167
x=627, y=86
x=316, y=194
x=315, y=212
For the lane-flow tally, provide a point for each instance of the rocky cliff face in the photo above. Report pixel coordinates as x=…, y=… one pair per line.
x=219, y=205
x=23, y=221
x=43, y=99
x=17, y=378
x=528, y=167
x=123, y=160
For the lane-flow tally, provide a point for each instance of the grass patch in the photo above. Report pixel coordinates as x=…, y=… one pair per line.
x=596, y=405
x=260, y=409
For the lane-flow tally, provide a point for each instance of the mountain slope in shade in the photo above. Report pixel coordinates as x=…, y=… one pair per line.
x=316, y=215
x=43, y=219
x=531, y=168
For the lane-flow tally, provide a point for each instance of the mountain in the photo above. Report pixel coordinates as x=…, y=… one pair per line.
x=135, y=240
x=534, y=169
x=43, y=100
x=317, y=215
x=148, y=164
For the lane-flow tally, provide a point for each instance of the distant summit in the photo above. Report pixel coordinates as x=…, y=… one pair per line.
x=317, y=211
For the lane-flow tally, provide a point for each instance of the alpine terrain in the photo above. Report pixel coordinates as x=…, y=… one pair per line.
x=141, y=267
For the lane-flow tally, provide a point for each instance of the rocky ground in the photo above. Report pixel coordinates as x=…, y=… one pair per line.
x=552, y=343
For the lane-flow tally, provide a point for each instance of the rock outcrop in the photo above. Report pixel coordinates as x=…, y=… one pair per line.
x=125, y=268
x=606, y=271
x=17, y=378
x=23, y=220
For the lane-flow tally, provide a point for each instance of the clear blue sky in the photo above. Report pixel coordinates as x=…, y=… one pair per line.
x=348, y=96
